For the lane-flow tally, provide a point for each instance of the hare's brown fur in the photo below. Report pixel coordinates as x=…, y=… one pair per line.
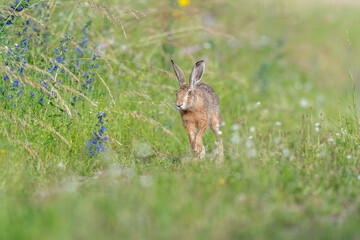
x=199, y=108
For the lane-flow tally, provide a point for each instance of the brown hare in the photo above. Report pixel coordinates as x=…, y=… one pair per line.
x=199, y=107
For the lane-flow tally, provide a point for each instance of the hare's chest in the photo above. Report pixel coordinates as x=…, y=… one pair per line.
x=197, y=118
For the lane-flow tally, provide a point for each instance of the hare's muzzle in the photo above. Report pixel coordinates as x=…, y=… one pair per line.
x=178, y=106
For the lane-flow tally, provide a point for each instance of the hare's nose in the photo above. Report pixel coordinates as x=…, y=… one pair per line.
x=178, y=106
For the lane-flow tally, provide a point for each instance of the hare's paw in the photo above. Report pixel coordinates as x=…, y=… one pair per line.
x=199, y=150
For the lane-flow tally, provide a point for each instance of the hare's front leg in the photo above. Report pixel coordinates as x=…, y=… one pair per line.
x=191, y=129
x=199, y=148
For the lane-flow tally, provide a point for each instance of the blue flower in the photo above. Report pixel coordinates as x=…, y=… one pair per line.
x=41, y=100
x=103, y=129
x=16, y=83
x=6, y=77
x=55, y=50
x=102, y=147
x=32, y=94
x=74, y=98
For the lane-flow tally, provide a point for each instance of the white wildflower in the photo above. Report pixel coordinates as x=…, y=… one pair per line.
x=303, y=103
x=252, y=129
x=286, y=152
x=61, y=165
x=252, y=152
x=249, y=144
x=235, y=127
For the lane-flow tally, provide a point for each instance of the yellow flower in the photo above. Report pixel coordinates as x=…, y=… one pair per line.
x=3, y=151
x=221, y=181
x=184, y=3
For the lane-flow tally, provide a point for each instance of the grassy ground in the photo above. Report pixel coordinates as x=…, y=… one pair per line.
x=285, y=74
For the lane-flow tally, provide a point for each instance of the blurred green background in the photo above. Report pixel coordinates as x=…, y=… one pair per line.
x=286, y=73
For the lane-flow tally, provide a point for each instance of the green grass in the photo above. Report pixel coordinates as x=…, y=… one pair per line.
x=280, y=69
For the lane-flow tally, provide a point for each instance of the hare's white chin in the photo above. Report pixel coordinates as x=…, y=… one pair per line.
x=180, y=106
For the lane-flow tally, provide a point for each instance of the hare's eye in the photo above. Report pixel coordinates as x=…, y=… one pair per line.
x=189, y=93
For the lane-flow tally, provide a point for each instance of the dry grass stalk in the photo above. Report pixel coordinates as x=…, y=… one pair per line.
x=160, y=86
x=150, y=120
x=150, y=66
x=53, y=131
x=114, y=140
x=100, y=10
x=112, y=98
x=136, y=93
x=32, y=152
x=117, y=19
x=108, y=13
x=40, y=70
x=27, y=16
x=62, y=101
x=103, y=57
x=18, y=125
x=32, y=83
x=157, y=153
x=62, y=66
x=132, y=12
x=78, y=93
x=158, y=104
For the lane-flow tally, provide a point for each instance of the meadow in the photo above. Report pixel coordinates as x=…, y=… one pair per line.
x=92, y=147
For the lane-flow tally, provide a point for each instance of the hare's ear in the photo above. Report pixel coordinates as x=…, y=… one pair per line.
x=197, y=73
x=179, y=74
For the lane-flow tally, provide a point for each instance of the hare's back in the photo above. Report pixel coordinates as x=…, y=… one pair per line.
x=208, y=94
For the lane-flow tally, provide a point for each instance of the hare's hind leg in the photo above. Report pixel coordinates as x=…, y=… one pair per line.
x=199, y=147
x=215, y=127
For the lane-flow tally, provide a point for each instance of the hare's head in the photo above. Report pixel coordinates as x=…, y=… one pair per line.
x=185, y=95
